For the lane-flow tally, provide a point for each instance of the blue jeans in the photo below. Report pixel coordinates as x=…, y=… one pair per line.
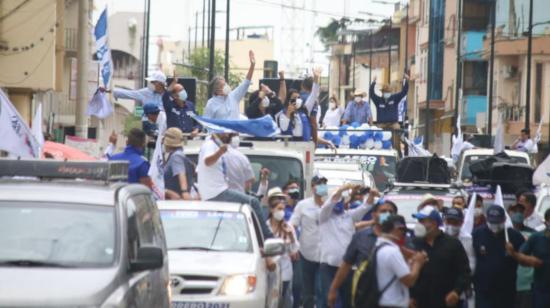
x=344, y=292
x=312, y=294
x=234, y=196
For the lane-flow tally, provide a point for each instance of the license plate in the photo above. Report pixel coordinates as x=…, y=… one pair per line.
x=199, y=305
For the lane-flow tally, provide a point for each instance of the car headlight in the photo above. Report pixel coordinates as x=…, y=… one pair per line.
x=238, y=285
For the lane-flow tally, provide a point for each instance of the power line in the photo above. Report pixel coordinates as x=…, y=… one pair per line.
x=14, y=10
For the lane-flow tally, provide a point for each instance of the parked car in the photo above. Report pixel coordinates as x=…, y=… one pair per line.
x=217, y=256
x=73, y=236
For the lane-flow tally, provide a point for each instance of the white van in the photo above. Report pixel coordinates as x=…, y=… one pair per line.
x=285, y=159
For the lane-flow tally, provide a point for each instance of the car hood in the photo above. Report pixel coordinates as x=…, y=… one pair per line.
x=211, y=263
x=54, y=287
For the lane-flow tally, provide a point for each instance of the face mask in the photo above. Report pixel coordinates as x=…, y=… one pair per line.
x=452, y=230
x=265, y=102
x=517, y=218
x=226, y=89
x=235, y=141
x=321, y=190
x=279, y=215
x=355, y=204
x=357, y=99
x=183, y=95
x=387, y=95
x=151, y=86
x=478, y=212
x=338, y=208
x=383, y=217
x=420, y=230
x=288, y=213
x=495, y=228
x=298, y=103
x=294, y=193
x=332, y=105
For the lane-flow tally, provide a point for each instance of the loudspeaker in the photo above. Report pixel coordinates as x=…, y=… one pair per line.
x=270, y=69
x=273, y=84
x=190, y=85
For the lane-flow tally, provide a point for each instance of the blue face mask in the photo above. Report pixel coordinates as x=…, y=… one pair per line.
x=338, y=208
x=321, y=190
x=383, y=217
x=517, y=218
x=288, y=213
x=355, y=204
x=183, y=95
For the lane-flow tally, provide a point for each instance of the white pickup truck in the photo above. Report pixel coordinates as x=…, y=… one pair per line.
x=470, y=156
x=216, y=255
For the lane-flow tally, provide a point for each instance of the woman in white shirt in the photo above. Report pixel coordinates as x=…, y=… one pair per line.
x=334, y=114
x=286, y=232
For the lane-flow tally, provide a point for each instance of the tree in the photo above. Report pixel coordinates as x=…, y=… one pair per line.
x=198, y=68
x=330, y=33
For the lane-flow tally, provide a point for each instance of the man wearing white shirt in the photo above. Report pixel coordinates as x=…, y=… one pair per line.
x=224, y=104
x=306, y=217
x=532, y=219
x=524, y=143
x=337, y=228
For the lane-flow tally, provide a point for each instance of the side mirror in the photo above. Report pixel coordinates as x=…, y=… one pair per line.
x=148, y=258
x=274, y=247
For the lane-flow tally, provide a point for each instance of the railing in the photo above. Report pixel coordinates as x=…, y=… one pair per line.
x=70, y=39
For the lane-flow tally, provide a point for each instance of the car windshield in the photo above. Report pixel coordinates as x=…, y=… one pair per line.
x=59, y=235
x=468, y=160
x=382, y=167
x=407, y=204
x=282, y=169
x=206, y=230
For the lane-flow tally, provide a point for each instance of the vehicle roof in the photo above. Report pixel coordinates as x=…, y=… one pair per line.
x=483, y=151
x=416, y=189
x=344, y=151
x=83, y=192
x=342, y=166
x=200, y=206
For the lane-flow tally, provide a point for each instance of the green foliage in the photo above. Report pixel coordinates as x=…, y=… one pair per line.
x=198, y=68
x=330, y=33
x=130, y=122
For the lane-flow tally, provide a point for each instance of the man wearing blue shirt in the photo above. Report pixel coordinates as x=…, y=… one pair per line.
x=177, y=106
x=224, y=104
x=152, y=94
x=138, y=166
x=358, y=110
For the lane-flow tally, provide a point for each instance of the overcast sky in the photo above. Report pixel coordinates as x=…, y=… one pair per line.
x=172, y=18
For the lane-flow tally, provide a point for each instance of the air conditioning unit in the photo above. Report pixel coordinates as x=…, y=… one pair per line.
x=509, y=71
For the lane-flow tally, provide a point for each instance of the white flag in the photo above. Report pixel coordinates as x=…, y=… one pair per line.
x=16, y=137
x=99, y=106
x=500, y=201
x=37, y=126
x=156, y=171
x=499, y=136
x=542, y=173
x=468, y=225
x=457, y=141
x=536, y=141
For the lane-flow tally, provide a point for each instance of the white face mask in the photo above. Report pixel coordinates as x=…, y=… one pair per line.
x=478, y=212
x=226, y=89
x=358, y=99
x=265, y=102
x=452, y=230
x=279, y=215
x=298, y=103
x=495, y=228
x=387, y=95
x=419, y=230
x=235, y=141
x=332, y=105
x=151, y=86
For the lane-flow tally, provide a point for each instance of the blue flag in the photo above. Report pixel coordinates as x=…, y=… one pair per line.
x=102, y=48
x=261, y=127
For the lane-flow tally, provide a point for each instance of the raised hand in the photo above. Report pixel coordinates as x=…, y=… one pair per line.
x=281, y=74
x=252, y=57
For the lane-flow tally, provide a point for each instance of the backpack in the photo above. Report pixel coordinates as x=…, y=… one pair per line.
x=367, y=292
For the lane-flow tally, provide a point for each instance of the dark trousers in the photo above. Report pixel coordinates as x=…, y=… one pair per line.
x=297, y=282
x=344, y=293
x=524, y=299
x=311, y=295
x=495, y=301
x=541, y=297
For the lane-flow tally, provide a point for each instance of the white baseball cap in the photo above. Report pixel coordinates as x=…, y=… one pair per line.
x=157, y=76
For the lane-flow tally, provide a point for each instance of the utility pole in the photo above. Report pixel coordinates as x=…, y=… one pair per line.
x=458, y=77
x=196, y=27
x=491, y=71
x=189, y=44
x=353, y=55
x=407, y=39
x=529, y=55
x=203, y=12
x=429, y=84
x=209, y=23
x=82, y=60
x=389, y=52
x=146, y=58
x=226, y=70
x=370, y=60
x=212, y=45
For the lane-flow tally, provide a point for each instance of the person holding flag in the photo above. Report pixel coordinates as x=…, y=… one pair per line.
x=524, y=143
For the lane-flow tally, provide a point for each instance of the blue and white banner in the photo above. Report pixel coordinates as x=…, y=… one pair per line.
x=102, y=46
x=260, y=127
x=17, y=138
x=402, y=110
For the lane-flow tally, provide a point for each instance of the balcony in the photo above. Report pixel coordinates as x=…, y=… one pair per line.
x=472, y=45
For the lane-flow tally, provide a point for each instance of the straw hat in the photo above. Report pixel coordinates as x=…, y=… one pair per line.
x=173, y=137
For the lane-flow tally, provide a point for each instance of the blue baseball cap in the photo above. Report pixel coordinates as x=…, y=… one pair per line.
x=495, y=214
x=429, y=212
x=454, y=213
x=150, y=108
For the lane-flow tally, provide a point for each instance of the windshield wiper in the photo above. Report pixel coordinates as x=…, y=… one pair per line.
x=193, y=248
x=33, y=263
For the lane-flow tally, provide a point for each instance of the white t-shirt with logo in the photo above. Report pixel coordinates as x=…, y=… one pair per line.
x=390, y=264
x=211, y=179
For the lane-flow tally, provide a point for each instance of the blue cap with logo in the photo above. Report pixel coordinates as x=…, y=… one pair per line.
x=429, y=212
x=150, y=108
x=495, y=214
